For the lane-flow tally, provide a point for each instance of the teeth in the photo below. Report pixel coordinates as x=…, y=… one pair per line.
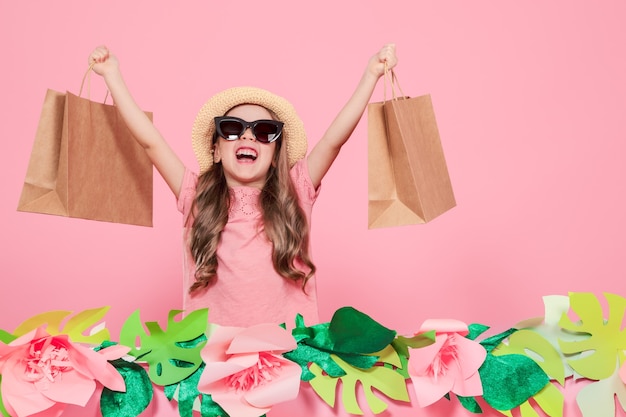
x=246, y=153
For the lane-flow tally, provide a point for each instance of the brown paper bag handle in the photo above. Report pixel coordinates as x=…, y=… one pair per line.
x=390, y=76
x=88, y=73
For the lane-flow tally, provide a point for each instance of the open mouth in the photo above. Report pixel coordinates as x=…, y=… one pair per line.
x=246, y=154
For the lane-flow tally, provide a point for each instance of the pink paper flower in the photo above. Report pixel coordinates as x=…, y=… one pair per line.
x=43, y=373
x=245, y=372
x=448, y=365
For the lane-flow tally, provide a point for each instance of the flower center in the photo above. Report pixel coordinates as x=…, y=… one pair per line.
x=261, y=373
x=445, y=359
x=46, y=359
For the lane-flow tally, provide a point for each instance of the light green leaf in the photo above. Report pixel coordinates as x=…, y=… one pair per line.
x=384, y=379
x=606, y=342
x=6, y=337
x=75, y=327
x=550, y=399
x=402, y=344
x=172, y=354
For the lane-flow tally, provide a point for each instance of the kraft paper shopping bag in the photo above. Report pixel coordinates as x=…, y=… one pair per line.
x=408, y=180
x=86, y=164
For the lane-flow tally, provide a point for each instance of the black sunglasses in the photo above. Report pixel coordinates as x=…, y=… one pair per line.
x=231, y=128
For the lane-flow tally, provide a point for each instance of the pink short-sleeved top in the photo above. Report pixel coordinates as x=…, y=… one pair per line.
x=248, y=290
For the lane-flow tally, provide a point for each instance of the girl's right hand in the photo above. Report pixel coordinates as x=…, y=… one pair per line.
x=103, y=61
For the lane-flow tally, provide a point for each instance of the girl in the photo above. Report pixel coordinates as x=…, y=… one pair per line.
x=247, y=212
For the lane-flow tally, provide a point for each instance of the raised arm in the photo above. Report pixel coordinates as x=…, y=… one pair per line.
x=162, y=156
x=326, y=150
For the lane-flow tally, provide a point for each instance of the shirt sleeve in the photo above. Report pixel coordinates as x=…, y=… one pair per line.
x=303, y=183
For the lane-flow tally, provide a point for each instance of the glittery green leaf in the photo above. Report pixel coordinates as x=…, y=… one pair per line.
x=137, y=396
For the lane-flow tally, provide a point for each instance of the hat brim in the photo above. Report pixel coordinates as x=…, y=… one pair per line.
x=294, y=136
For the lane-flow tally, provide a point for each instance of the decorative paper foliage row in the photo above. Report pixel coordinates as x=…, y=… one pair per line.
x=58, y=358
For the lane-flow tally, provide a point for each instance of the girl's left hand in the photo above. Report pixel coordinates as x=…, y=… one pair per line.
x=387, y=54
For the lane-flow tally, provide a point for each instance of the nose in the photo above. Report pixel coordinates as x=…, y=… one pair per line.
x=247, y=134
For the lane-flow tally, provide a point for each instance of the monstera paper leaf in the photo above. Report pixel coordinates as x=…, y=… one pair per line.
x=75, y=326
x=385, y=379
x=604, y=339
x=598, y=399
x=172, y=354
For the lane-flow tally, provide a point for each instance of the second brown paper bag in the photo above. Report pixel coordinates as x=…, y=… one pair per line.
x=408, y=180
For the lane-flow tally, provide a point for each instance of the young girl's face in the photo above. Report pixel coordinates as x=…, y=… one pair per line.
x=246, y=161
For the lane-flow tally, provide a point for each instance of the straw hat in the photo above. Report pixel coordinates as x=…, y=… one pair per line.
x=294, y=136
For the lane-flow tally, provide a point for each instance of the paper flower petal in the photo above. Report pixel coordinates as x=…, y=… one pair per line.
x=262, y=338
x=244, y=372
x=42, y=373
x=448, y=365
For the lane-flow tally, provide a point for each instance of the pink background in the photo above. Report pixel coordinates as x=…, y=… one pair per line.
x=530, y=102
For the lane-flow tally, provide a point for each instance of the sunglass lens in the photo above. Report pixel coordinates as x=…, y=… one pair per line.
x=231, y=129
x=266, y=132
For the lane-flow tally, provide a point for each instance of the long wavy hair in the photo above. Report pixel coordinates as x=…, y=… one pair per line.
x=283, y=221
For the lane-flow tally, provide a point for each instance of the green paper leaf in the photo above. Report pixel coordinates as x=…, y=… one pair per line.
x=351, y=335
x=526, y=342
x=402, y=344
x=186, y=393
x=355, y=332
x=606, y=341
x=401, y=368
x=6, y=337
x=475, y=330
x=358, y=361
x=550, y=399
x=510, y=380
x=304, y=355
x=138, y=393
x=76, y=326
x=210, y=408
x=3, y=410
x=382, y=378
x=493, y=342
x=173, y=354
x=470, y=404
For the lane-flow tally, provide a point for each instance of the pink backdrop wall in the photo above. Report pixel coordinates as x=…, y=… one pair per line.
x=530, y=101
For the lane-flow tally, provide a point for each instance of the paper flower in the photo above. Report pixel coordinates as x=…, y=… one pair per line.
x=43, y=373
x=448, y=365
x=245, y=372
